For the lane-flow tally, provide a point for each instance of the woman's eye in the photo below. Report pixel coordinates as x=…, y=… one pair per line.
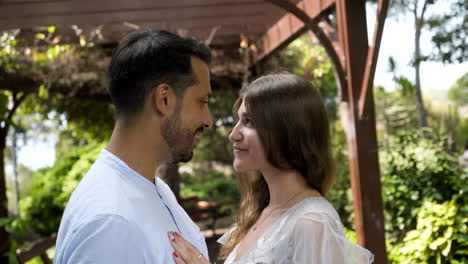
x=248, y=122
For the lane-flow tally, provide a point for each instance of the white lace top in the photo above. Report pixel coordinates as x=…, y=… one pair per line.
x=308, y=232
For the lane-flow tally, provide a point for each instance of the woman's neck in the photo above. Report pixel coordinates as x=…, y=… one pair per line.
x=284, y=185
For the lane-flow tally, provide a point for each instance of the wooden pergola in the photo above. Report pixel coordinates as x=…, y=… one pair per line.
x=339, y=25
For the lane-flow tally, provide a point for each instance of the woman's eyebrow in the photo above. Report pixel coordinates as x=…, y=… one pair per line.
x=243, y=114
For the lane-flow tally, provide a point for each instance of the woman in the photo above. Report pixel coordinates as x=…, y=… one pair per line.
x=282, y=151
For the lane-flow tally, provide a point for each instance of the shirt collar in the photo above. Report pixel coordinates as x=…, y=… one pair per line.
x=126, y=172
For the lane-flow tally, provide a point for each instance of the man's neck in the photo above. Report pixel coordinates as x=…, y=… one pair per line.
x=138, y=148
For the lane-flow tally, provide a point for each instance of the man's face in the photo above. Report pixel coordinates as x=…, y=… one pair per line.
x=191, y=115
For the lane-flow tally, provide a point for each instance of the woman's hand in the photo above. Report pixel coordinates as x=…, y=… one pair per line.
x=185, y=253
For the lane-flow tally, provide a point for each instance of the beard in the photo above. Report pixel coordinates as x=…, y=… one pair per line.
x=178, y=138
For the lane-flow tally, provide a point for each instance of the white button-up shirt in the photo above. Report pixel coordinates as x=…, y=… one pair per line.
x=115, y=215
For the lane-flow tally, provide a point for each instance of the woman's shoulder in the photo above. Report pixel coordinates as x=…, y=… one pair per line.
x=318, y=235
x=316, y=206
x=317, y=210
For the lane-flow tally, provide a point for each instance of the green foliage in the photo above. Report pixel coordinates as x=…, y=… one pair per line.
x=450, y=33
x=463, y=132
x=305, y=57
x=4, y=102
x=210, y=185
x=8, y=52
x=340, y=195
x=405, y=85
x=62, y=78
x=80, y=121
x=458, y=93
x=441, y=235
x=221, y=106
x=445, y=120
x=416, y=168
x=214, y=144
x=90, y=120
x=42, y=208
x=351, y=235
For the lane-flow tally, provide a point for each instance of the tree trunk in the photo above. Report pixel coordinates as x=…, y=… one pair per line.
x=418, y=24
x=4, y=236
x=417, y=86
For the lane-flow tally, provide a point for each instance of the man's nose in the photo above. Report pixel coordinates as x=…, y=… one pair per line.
x=208, y=120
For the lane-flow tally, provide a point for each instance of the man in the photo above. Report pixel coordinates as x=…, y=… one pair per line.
x=120, y=212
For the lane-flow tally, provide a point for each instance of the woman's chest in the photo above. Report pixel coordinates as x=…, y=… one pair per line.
x=273, y=249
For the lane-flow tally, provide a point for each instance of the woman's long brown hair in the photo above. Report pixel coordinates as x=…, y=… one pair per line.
x=293, y=127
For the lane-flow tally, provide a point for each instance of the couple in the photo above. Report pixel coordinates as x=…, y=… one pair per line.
x=160, y=86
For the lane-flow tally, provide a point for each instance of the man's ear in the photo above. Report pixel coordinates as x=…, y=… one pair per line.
x=163, y=99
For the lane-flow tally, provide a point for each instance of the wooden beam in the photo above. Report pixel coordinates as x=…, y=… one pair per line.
x=69, y=7
x=208, y=17
x=290, y=26
x=299, y=11
x=372, y=56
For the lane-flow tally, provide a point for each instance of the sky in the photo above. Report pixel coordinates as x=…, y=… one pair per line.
x=397, y=41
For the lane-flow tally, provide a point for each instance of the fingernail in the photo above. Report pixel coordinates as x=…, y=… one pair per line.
x=171, y=236
x=177, y=234
x=175, y=254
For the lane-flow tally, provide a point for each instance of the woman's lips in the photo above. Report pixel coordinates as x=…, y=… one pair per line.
x=239, y=149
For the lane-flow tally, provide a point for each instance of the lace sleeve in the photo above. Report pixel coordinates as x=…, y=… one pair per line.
x=318, y=238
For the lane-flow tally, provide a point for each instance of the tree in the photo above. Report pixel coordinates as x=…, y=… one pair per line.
x=42, y=72
x=449, y=38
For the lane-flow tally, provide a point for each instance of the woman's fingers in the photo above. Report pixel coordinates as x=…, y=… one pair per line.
x=185, y=250
x=177, y=259
x=179, y=246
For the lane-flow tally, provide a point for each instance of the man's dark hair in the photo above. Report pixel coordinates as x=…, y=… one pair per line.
x=147, y=58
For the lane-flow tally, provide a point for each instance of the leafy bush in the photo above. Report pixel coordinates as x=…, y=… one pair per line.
x=415, y=169
x=42, y=208
x=441, y=235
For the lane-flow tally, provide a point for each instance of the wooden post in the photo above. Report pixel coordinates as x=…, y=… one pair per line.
x=361, y=132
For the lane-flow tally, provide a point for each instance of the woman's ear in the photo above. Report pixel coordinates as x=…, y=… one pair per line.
x=163, y=99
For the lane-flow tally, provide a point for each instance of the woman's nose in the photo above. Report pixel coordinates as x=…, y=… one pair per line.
x=235, y=134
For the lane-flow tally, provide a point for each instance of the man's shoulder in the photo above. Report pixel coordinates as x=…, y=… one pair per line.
x=100, y=192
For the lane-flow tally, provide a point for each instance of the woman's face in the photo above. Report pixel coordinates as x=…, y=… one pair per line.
x=249, y=154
